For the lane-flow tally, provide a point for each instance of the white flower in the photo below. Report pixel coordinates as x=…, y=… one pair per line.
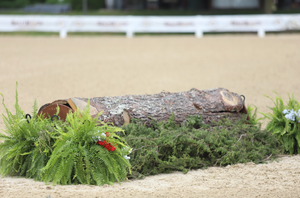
x=96, y=139
x=126, y=157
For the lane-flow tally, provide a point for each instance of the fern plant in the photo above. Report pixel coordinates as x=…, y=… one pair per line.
x=77, y=158
x=284, y=122
x=27, y=144
x=62, y=152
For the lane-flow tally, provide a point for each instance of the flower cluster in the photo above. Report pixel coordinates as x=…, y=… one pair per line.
x=126, y=150
x=105, y=143
x=291, y=114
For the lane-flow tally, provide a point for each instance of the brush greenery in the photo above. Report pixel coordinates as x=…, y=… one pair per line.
x=68, y=153
x=167, y=147
x=77, y=158
x=284, y=122
x=27, y=144
x=61, y=152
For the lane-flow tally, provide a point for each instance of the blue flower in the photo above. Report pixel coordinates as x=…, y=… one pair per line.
x=285, y=111
x=291, y=114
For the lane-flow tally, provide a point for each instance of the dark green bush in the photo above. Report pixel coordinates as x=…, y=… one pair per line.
x=167, y=147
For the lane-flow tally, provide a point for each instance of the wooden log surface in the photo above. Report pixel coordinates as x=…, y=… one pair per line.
x=211, y=104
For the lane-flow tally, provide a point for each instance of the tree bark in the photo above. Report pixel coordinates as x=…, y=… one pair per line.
x=212, y=105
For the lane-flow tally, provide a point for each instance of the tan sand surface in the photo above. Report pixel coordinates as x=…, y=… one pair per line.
x=49, y=68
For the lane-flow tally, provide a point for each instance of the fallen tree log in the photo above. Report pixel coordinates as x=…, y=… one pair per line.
x=212, y=105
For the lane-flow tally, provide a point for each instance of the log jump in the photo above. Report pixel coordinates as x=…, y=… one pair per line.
x=211, y=104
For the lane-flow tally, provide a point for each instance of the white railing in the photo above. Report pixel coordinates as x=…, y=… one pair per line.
x=150, y=24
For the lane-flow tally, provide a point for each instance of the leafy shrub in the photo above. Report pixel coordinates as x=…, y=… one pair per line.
x=27, y=144
x=62, y=152
x=284, y=122
x=167, y=147
x=78, y=159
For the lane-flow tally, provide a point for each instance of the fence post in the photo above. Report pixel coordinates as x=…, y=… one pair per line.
x=199, y=30
x=199, y=33
x=64, y=26
x=130, y=27
x=261, y=33
x=63, y=33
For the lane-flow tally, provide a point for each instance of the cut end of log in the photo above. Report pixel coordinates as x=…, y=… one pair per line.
x=51, y=110
x=126, y=117
x=229, y=99
x=81, y=105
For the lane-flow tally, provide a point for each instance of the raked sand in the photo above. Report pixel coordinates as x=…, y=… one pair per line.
x=49, y=68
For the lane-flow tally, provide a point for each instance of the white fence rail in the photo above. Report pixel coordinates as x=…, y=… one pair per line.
x=152, y=24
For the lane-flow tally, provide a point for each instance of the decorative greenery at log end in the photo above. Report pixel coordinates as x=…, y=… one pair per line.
x=167, y=147
x=284, y=122
x=61, y=152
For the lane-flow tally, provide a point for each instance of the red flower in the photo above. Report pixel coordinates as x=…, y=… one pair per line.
x=107, y=145
x=107, y=134
x=113, y=148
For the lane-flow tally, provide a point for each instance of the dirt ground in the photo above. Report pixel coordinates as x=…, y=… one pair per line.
x=49, y=68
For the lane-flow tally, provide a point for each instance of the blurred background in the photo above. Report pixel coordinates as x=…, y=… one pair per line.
x=87, y=64
x=150, y=7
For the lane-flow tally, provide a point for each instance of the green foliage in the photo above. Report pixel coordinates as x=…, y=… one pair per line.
x=92, y=4
x=78, y=159
x=61, y=152
x=67, y=152
x=167, y=147
x=12, y=4
x=252, y=115
x=284, y=122
x=27, y=146
x=75, y=4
